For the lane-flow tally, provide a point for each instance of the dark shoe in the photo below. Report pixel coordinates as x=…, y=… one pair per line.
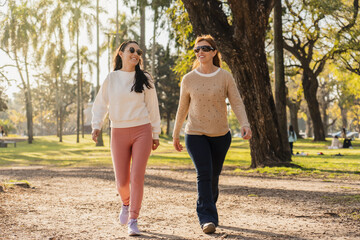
x=209, y=228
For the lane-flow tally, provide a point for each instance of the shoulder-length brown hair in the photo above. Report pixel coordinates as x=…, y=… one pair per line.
x=209, y=39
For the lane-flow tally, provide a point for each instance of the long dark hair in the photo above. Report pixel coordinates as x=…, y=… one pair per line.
x=210, y=40
x=140, y=77
x=291, y=131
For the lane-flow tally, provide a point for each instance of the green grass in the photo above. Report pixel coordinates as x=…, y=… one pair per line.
x=47, y=151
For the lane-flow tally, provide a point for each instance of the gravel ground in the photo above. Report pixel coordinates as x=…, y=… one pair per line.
x=82, y=203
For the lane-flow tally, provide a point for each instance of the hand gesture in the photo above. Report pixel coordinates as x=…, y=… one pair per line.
x=246, y=133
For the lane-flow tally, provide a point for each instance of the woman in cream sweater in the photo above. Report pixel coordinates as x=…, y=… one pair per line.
x=202, y=99
x=128, y=95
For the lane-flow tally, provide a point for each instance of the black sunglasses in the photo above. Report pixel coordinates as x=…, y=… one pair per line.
x=204, y=48
x=139, y=51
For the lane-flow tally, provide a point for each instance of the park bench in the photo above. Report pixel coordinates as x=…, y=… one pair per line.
x=5, y=142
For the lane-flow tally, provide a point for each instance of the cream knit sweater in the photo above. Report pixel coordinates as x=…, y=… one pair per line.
x=125, y=108
x=202, y=99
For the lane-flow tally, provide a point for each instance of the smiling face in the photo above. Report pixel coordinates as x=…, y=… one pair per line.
x=131, y=55
x=204, y=56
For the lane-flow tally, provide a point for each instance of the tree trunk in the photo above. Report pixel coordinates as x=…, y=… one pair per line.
x=344, y=112
x=168, y=114
x=293, y=110
x=57, y=106
x=242, y=47
x=82, y=103
x=309, y=128
x=142, y=33
x=29, y=108
x=61, y=123
x=310, y=85
x=325, y=118
x=78, y=87
x=280, y=93
x=61, y=87
x=100, y=141
x=153, y=50
x=117, y=39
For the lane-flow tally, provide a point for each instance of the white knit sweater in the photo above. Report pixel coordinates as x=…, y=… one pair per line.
x=126, y=108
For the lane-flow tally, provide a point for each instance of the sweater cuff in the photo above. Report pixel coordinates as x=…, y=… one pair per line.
x=155, y=136
x=96, y=126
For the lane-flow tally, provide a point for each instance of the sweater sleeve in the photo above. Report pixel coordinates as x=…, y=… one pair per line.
x=100, y=106
x=152, y=105
x=182, y=110
x=236, y=102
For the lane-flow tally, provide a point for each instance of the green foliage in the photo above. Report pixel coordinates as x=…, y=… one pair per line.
x=181, y=31
x=167, y=83
x=3, y=105
x=7, y=125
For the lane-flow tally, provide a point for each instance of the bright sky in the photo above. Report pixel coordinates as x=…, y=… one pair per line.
x=110, y=6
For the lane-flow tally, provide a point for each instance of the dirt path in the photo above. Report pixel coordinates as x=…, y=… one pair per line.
x=83, y=204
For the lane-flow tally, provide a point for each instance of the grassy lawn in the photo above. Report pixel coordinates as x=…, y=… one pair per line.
x=47, y=151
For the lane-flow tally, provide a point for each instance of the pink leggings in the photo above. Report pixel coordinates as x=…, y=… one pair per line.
x=131, y=143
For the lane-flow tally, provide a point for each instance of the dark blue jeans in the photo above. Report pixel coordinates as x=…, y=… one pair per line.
x=208, y=155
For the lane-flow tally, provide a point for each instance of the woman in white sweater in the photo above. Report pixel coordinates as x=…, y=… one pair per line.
x=128, y=95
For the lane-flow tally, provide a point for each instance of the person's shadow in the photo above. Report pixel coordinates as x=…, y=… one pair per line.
x=258, y=235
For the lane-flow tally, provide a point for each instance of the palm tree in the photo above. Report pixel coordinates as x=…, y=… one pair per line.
x=20, y=31
x=100, y=141
x=86, y=61
x=78, y=17
x=126, y=31
x=56, y=57
x=140, y=6
x=157, y=6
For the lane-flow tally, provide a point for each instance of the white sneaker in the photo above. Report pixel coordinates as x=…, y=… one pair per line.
x=209, y=228
x=124, y=215
x=133, y=229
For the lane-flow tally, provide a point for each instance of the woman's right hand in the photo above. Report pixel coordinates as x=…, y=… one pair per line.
x=95, y=133
x=177, y=145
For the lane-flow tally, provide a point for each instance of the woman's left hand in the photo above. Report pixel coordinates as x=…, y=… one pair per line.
x=155, y=144
x=246, y=133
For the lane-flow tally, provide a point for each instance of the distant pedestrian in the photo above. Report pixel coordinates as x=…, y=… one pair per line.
x=292, y=138
x=335, y=143
x=203, y=100
x=128, y=95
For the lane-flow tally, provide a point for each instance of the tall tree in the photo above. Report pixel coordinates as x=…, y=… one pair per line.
x=140, y=6
x=127, y=30
x=57, y=57
x=293, y=100
x=100, y=141
x=280, y=91
x=86, y=62
x=167, y=84
x=315, y=39
x=19, y=37
x=79, y=16
x=241, y=42
x=325, y=96
x=158, y=7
